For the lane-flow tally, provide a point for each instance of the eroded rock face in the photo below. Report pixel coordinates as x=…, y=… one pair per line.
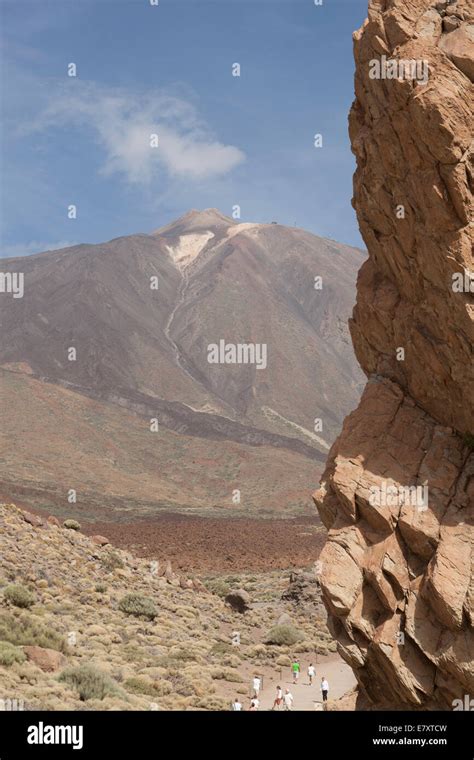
x=397, y=496
x=304, y=590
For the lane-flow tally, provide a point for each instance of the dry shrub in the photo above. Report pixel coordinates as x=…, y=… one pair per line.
x=283, y=635
x=19, y=595
x=25, y=630
x=90, y=683
x=138, y=605
x=9, y=654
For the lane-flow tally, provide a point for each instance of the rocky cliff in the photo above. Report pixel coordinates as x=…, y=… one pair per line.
x=397, y=493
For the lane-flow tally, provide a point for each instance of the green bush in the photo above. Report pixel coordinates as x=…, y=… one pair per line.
x=213, y=703
x=218, y=586
x=183, y=655
x=222, y=647
x=19, y=595
x=165, y=661
x=136, y=654
x=10, y=654
x=101, y=588
x=138, y=606
x=226, y=674
x=138, y=685
x=285, y=634
x=112, y=561
x=24, y=630
x=72, y=524
x=90, y=683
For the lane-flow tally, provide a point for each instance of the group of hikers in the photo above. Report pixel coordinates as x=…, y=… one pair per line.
x=283, y=699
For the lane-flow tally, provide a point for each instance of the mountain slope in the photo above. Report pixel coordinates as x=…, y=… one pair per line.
x=120, y=470
x=141, y=312
x=246, y=283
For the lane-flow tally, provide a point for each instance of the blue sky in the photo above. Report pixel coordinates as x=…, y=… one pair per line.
x=167, y=70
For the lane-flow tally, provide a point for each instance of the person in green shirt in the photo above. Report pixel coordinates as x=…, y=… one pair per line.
x=296, y=670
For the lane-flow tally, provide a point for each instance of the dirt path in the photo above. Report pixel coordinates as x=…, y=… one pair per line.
x=306, y=697
x=339, y=675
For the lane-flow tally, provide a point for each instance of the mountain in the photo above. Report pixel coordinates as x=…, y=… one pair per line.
x=141, y=313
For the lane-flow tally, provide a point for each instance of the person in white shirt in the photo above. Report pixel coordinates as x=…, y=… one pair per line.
x=311, y=673
x=254, y=704
x=324, y=688
x=256, y=683
x=288, y=700
x=236, y=705
x=278, y=699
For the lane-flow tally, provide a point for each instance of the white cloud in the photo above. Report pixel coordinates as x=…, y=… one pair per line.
x=26, y=249
x=122, y=123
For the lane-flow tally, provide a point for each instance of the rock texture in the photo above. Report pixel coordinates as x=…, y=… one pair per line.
x=239, y=600
x=304, y=590
x=397, y=569
x=46, y=659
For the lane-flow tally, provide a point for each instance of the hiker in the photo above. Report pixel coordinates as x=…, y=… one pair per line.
x=256, y=683
x=324, y=688
x=296, y=670
x=278, y=699
x=254, y=704
x=311, y=673
x=236, y=705
x=288, y=700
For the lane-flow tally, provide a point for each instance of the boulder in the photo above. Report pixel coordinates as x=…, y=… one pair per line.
x=33, y=520
x=100, y=540
x=239, y=600
x=48, y=660
x=199, y=586
x=459, y=45
x=305, y=591
x=284, y=619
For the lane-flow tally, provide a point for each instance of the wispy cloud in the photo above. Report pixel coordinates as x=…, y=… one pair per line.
x=122, y=123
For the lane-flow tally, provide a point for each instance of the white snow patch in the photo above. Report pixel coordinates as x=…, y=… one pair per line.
x=242, y=227
x=249, y=228
x=189, y=247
